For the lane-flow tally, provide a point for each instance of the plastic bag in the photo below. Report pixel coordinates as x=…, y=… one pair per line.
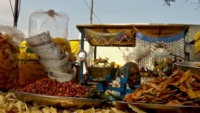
x=54, y=22
x=15, y=37
x=10, y=40
x=62, y=77
x=44, y=27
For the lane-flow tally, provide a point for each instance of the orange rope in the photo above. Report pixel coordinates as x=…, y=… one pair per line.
x=159, y=35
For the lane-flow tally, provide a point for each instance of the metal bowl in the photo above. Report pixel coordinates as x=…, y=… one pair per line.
x=185, y=66
x=158, y=108
x=57, y=101
x=100, y=73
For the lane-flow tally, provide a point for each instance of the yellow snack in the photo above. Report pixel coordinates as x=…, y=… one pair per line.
x=65, y=45
x=24, y=44
x=23, y=54
x=10, y=104
x=27, y=56
x=197, y=46
x=197, y=35
x=62, y=42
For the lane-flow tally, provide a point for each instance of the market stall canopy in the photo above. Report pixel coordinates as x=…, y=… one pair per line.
x=129, y=30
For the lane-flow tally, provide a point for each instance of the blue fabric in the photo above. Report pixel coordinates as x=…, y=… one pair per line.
x=165, y=39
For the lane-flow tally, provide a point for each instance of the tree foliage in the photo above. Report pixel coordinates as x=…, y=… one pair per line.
x=168, y=2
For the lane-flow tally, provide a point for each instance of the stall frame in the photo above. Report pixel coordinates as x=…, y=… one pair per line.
x=153, y=29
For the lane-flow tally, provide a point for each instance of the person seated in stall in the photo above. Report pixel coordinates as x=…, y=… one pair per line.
x=134, y=77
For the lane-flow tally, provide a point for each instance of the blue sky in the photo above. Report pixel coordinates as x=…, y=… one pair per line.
x=108, y=11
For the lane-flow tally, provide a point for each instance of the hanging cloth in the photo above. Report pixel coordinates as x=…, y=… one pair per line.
x=164, y=39
x=106, y=38
x=147, y=44
x=92, y=32
x=75, y=46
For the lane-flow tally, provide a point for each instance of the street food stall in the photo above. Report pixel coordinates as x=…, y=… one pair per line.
x=150, y=96
x=39, y=74
x=152, y=43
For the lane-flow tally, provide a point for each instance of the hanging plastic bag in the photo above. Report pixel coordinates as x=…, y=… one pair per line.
x=54, y=22
x=10, y=40
x=15, y=37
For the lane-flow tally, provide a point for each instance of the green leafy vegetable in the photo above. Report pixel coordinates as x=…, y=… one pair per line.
x=115, y=96
x=97, y=95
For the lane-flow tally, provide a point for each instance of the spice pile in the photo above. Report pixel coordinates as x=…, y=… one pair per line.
x=54, y=88
x=8, y=63
x=179, y=89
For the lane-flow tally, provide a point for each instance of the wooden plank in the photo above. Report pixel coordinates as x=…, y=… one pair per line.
x=129, y=25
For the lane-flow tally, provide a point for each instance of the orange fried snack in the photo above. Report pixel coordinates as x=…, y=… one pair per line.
x=179, y=89
x=174, y=102
x=8, y=63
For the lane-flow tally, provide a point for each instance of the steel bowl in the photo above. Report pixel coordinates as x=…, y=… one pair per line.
x=57, y=101
x=158, y=108
x=185, y=66
x=100, y=73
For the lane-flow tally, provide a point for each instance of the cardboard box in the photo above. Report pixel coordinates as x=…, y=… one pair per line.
x=30, y=71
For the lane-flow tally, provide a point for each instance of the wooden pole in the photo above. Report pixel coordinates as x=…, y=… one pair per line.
x=16, y=13
x=90, y=47
x=91, y=13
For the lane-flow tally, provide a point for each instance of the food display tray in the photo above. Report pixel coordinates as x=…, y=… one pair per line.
x=57, y=101
x=158, y=108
